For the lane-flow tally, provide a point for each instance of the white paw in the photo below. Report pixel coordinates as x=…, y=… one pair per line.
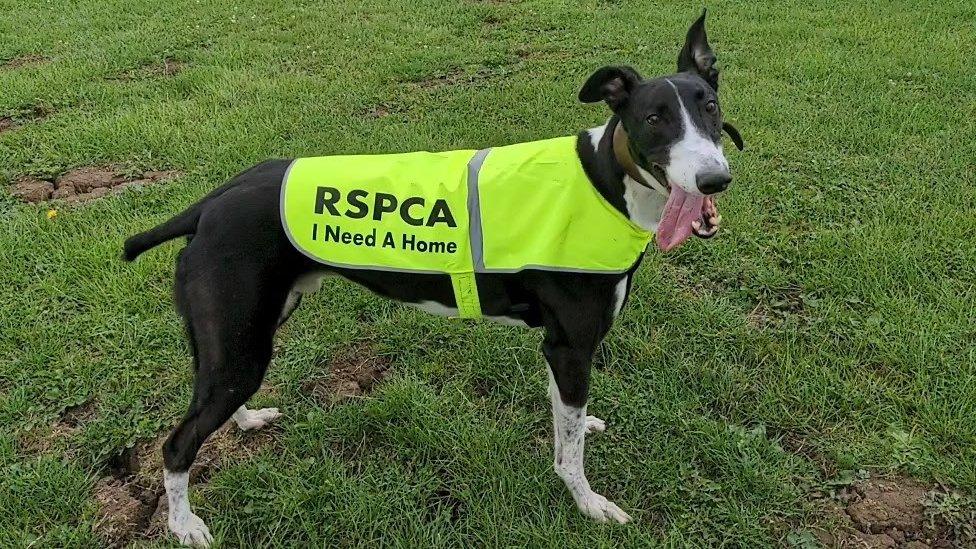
x=601, y=509
x=256, y=419
x=191, y=531
x=595, y=425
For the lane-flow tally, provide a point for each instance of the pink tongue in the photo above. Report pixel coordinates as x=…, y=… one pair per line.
x=679, y=211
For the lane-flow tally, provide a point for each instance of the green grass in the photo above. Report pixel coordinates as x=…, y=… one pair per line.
x=834, y=313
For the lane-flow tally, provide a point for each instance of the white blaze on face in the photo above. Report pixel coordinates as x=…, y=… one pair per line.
x=692, y=154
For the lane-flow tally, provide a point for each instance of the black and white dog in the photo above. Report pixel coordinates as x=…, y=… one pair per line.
x=239, y=278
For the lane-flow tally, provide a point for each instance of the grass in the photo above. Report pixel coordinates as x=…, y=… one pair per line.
x=829, y=328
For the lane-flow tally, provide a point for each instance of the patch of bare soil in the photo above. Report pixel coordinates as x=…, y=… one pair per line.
x=74, y=416
x=898, y=512
x=380, y=110
x=131, y=498
x=796, y=443
x=23, y=61
x=24, y=115
x=125, y=508
x=443, y=500
x=85, y=183
x=156, y=69
x=72, y=420
x=455, y=77
x=353, y=371
x=773, y=307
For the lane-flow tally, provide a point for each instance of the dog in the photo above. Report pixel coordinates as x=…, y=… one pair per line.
x=658, y=162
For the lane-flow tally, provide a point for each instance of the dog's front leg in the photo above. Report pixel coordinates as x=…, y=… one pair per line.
x=568, y=387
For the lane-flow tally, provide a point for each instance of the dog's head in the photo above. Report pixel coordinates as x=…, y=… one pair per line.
x=671, y=128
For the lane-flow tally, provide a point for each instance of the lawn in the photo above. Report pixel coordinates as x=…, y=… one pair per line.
x=825, y=340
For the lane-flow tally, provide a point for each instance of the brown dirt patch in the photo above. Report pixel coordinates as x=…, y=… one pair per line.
x=73, y=417
x=156, y=69
x=43, y=439
x=443, y=500
x=32, y=189
x=353, y=371
x=24, y=60
x=455, y=77
x=19, y=117
x=898, y=512
x=774, y=306
x=85, y=183
x=796, y=443
x=124, y=509
x=381, y=110
x=131, y=498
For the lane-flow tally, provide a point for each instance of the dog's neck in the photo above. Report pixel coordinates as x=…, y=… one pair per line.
x=610, y=172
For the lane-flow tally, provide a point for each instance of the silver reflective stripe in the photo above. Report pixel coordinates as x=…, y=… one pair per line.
x=474, y=211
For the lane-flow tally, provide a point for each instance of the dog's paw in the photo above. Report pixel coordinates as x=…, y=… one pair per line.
x=256, y=419
x=601, y=509
x=191, y=531
x=595, y=425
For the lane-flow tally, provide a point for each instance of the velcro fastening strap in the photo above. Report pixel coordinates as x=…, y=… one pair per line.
x=466, y=295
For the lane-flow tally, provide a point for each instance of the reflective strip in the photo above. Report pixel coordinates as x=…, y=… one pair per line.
x=474, y=211
x=465, y=287
x=466, y=295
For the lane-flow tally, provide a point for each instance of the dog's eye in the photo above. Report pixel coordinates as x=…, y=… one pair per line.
x=711, y=107
x=653, y=119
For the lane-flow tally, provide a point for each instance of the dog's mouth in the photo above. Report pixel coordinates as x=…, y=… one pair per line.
x=707, y=226
x=686, y=214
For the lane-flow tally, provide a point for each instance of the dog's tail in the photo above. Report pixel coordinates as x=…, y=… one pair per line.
x=182, y=224
x=186, y=222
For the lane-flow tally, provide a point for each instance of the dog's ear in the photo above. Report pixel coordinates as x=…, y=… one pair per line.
x=697, y=56
x=734, y=134
x=611, y=84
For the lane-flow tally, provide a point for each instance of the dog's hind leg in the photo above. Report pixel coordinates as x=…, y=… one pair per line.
x=231, y=328
x=248, y=420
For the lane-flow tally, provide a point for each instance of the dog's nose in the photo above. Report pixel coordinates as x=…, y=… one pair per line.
x=713, y=181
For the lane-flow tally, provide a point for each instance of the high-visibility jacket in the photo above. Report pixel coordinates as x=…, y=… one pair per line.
x=497, y=210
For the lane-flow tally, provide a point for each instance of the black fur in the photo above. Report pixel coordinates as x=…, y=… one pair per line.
x=697, y=56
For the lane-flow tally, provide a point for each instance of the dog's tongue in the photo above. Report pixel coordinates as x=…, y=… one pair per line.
x=680, y=211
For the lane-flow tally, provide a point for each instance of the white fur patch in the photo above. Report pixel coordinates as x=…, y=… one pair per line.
x=596, y=135
x=188, y=528
x=644, y=206
x=309, y=283
x=692, y=154
x=247, y=420
x=440, y=309
x=619, y=293
x=570, y=425
x=289, y=305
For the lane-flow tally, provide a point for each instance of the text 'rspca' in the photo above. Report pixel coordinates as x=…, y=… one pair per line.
x=357, y=205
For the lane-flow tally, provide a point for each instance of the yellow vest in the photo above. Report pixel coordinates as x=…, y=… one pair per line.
x=503, y=209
